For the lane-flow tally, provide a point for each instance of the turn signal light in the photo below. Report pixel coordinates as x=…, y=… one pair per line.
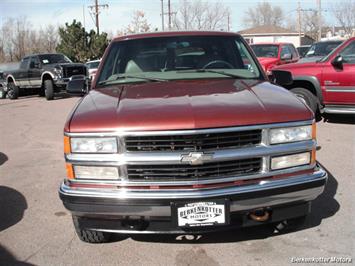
x=67, y=148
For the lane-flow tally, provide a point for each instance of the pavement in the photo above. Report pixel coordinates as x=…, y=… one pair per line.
x=35, y=228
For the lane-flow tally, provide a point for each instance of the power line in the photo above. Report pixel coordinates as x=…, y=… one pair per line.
x=95, y=9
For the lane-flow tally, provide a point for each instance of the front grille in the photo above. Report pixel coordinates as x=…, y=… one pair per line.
x=194, y=142
x=74, y=70
x=180, y=172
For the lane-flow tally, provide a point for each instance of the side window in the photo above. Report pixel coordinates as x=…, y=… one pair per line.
x=34, y=62
x=348, y=53
x=24, y=63
x=285, y=51
x=293, y=51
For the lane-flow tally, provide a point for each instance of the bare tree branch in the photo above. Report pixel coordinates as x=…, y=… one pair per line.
x=200, y=15
x=344, y=13
x=264, y=14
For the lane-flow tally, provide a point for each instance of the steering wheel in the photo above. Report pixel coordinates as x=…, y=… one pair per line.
x=229, y=65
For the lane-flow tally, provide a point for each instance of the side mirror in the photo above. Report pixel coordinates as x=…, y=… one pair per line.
x=286, y=57
x=282, y=77
x=338, y=62
x=77, y=85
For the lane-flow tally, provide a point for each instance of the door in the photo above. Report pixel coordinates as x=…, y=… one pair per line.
x=35, y=72
x=21, y=76
x=339, y=83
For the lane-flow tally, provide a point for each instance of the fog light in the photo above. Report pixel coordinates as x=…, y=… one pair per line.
x=290, y=160
x=95, y=172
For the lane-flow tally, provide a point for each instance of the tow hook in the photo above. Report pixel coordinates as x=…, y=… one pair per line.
x=259, y=215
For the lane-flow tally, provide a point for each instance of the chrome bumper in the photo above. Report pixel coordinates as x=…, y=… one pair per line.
x=124, y=202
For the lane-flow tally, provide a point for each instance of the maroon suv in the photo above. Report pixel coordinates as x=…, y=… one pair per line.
x=183, y=133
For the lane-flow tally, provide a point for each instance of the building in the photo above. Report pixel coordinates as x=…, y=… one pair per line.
x=269, y=33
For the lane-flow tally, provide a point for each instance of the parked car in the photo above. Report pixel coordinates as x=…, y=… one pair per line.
x=302, y=50
x=183, y=133
x=327, y=85
x=45, y=73
x=92, y=67
x=274, y=54
x=320, y=49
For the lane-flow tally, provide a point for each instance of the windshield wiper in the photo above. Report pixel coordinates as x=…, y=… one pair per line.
x=151, y=79
x=202, y=70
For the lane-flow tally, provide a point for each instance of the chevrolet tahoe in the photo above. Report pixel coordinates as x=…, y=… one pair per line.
x=182, y=132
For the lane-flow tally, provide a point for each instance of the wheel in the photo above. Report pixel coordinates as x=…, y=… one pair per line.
x=90, y=236
x=2, y=93
x=49, y=89
x=308, y=98
x=13, y=91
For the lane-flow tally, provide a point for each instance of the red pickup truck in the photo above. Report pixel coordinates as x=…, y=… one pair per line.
x=327, y=85
x=274, y=54
x=182, y=132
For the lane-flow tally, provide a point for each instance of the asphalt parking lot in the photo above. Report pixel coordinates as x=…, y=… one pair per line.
x=35, y=229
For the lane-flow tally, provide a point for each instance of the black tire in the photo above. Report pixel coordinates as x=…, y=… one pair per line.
x=2, y=93
x=49, y=89
x=307, y=97
x=13, y=91
x=90, y=236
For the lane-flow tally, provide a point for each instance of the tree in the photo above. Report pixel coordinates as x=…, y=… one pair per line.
x=18, y=38
x=138, y=24
x=80, y=45
x=344, y=13
x=264, y=14
x=309, y=23
x=199, y=15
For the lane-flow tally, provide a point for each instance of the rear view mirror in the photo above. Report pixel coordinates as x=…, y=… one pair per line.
x=78, y=85
x=282, y=77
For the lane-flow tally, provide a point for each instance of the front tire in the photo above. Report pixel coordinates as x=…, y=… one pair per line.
x=90, y=236
x=13, y=91
x=308, y=98
x=49, y=89
x=2, y=93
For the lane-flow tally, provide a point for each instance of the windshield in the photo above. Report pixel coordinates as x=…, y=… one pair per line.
x=322, y=48
x=266, y=50
x=53, y=59
x=178, y=57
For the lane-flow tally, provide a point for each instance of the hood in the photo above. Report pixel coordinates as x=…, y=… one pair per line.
x=266, y=62
x=185, y=105
x=64, y=65
x=310, y=59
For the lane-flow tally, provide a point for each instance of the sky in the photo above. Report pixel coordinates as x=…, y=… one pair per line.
x=119, y=13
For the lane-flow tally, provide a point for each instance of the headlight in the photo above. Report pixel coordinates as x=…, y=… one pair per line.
x=288, y=161
x=58, y=71
x=290, y=134
x=94, y=145
x=94, y=172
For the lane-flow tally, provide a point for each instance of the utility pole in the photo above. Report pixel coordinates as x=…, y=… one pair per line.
x=299, y=22
x=162, y=15
x=319, y=20
x=96, y=10
x=169, y=13
x=228, y=22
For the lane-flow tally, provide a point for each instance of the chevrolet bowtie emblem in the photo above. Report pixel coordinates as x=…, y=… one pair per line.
x=196, y=158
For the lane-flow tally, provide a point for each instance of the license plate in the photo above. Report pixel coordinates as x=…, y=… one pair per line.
x=201, y=213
